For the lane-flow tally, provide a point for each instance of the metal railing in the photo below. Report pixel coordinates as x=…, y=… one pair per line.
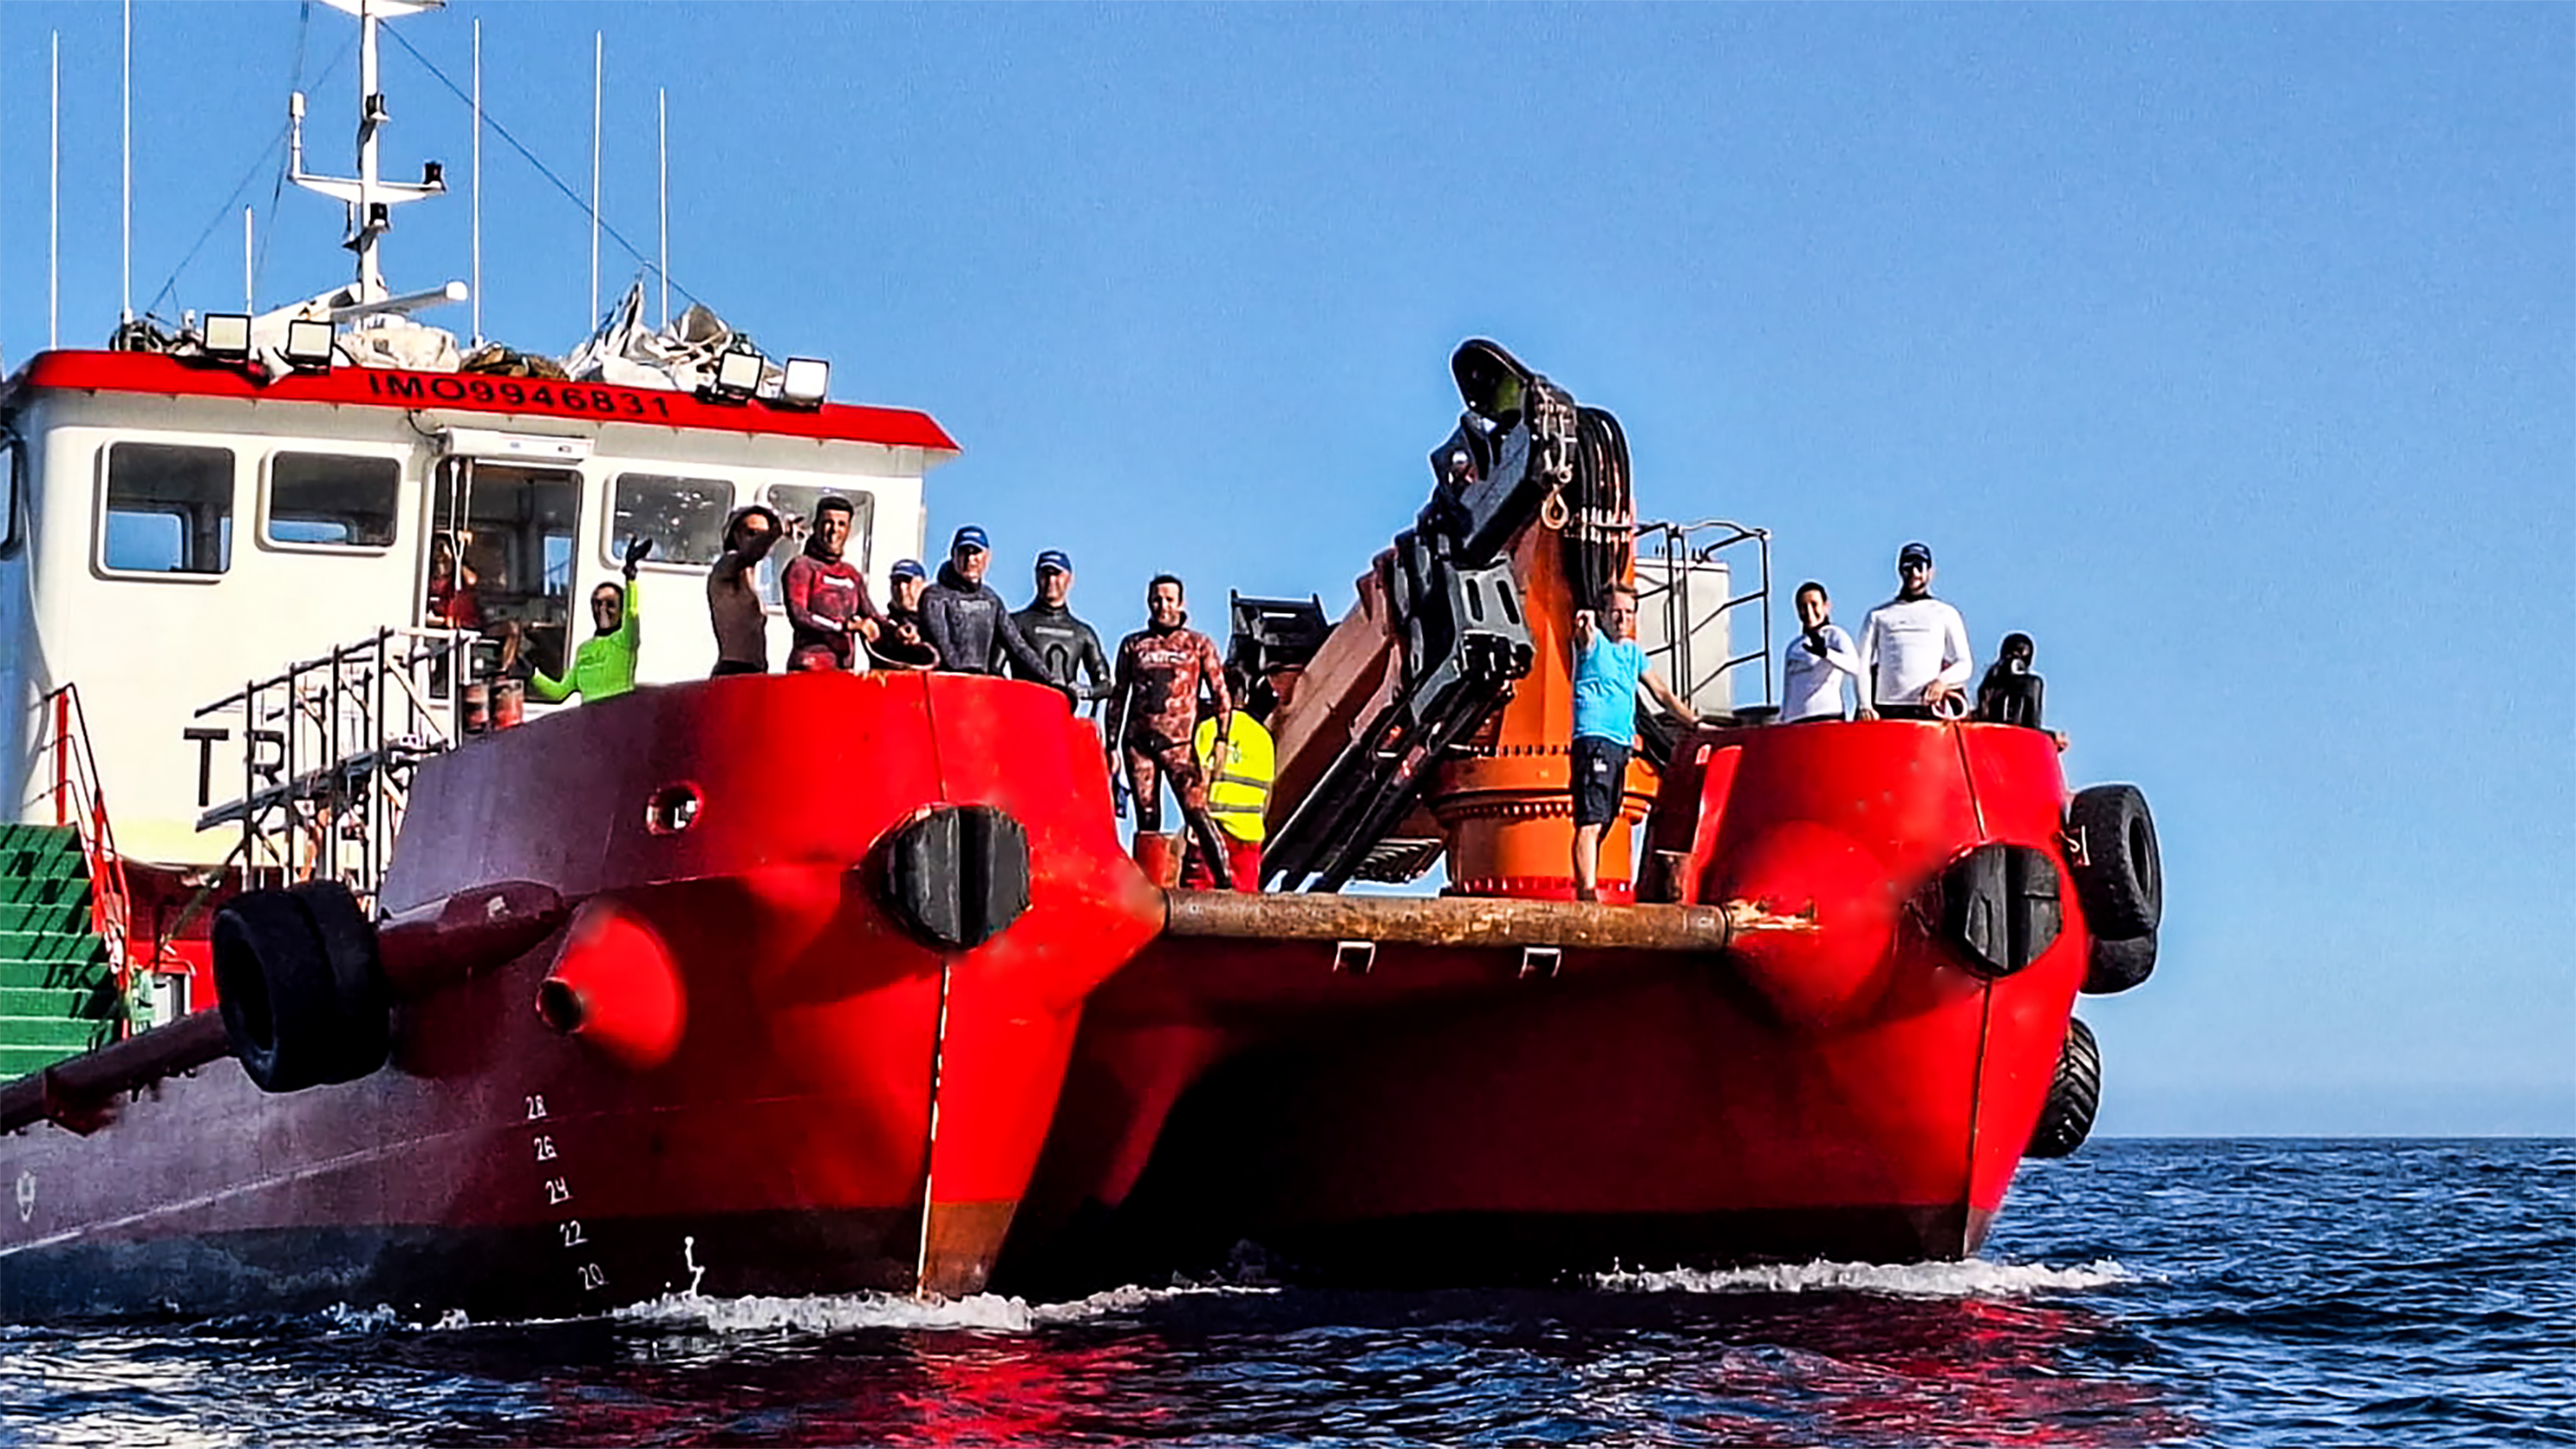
x=1680, y=549
x=328, y=748
x=80, y=801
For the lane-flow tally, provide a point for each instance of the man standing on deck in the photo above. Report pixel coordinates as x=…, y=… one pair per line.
x=1064, y=643
x=969, y=624
x=1238, y=788
x=903, y=641
x=1913, y=648
x=1154, y=704
x=1608, y=667
x=733, y=605
x=1819, y=660
x=604, y=666
x=827, y=599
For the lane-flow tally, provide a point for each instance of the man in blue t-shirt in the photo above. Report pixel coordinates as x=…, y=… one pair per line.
x=1608, y=667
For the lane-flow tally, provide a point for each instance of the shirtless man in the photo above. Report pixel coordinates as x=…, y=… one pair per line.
x=733, y=605
x=1154, y=693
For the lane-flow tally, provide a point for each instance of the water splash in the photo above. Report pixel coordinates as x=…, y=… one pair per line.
x=829, y=1313
x=1974, y=1278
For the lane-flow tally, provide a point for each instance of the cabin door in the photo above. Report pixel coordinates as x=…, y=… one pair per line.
x=501, y=556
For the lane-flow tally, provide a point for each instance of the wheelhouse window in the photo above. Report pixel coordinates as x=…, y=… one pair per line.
x=500, y=555
x=683, y=516
x=795, y=504
x=13, y=528
x=169, y=509
x=333, y=501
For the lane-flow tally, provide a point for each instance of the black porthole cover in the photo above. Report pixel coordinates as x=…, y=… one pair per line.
x=2000, y=907
x=957, y=876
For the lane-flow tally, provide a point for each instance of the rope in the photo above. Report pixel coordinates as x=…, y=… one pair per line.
x=294, y=83
x=650, y=268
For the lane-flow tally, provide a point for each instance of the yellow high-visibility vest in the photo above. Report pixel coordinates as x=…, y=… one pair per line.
x=1239, y=798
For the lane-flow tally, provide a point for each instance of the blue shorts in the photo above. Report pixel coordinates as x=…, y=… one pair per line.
x=1600, y=771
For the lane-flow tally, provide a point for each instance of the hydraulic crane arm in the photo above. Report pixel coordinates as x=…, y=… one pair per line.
x=1439, y=634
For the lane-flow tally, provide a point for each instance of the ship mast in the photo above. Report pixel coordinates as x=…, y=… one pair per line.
x=370, y=198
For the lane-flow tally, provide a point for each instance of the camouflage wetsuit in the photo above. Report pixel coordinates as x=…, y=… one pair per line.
x=1157, y=679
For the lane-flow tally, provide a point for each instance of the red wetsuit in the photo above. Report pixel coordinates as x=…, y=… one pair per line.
x=1156, y=683
x=823, y=595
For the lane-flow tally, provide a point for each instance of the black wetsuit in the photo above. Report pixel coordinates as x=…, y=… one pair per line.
x=1066, y=644
x=972, y=629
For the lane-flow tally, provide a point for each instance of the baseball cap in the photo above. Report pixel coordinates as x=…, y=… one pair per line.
x=970, y=537
x=1914, y=553
x=1056, y=558
x=907, y=568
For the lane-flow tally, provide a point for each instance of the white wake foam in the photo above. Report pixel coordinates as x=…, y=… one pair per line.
x=831, y=1313
x=1974, y=1278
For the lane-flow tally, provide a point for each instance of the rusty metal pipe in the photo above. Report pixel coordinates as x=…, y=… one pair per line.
x=71, y=1091
x=1453, y=921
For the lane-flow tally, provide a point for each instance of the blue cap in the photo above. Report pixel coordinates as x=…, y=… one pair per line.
x=907, y=568
x=1056, y=558
x=969, y=537
x=1914, y=553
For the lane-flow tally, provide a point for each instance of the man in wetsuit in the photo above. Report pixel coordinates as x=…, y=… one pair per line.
x=903, y=641
x=1066, y=644
x=827, y=599
x=604, y=666
x=1154, y=695
x=969, y=624
x=733, y=605
x=1913, y=648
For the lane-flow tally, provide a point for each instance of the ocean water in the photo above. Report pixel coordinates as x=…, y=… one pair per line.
x=2142, y=1293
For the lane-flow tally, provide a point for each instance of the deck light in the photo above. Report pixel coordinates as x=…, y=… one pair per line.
x=309, y=342
x=227, y=335
x=738, y=373
x=805, y=382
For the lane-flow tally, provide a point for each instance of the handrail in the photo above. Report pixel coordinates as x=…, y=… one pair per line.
x=81, y=801
x=1677, y=548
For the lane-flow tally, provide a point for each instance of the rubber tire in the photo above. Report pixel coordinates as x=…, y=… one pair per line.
x=2121, y=880
x=274, y=984
x=361, y=997
x=2115, y=966
x=2076, y=1094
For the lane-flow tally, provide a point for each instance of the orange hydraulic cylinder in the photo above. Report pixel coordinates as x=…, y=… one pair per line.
x=1508, y=809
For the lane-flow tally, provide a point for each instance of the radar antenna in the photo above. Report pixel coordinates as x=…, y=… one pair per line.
x=370, y=198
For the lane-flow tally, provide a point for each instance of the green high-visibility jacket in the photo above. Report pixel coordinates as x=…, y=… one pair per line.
x=602, y=668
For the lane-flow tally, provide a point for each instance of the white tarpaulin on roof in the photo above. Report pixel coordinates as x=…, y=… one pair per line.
x=680, y=357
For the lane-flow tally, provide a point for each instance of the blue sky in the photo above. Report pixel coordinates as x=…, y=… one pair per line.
x=2229, y=351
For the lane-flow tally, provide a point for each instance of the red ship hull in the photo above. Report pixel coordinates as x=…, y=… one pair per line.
x=776, y=1082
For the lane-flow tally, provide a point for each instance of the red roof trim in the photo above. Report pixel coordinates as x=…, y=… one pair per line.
x=145, y=372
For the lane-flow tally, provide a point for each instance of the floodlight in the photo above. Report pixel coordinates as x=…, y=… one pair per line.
x=309, y=342
x=805, y=382
x=227, y=335
x=738, y=373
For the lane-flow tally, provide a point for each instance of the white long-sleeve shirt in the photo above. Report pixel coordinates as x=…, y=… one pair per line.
x=1811, y=685
x=1905, y=644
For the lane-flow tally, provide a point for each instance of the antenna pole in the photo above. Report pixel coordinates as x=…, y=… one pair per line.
x=662, y=124
x=476, y=204
x=371, y=277
x=598, y=63
x=54, y=213
x=125, y=269
x=246, y=263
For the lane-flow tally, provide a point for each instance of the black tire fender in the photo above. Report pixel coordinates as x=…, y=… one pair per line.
x=2066, y=1119
x=361, y=997
x=2116, y=965
x=2119, y=873
x=274, y=985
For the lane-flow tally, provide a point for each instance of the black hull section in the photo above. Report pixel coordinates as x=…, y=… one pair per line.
x=488, y=1274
